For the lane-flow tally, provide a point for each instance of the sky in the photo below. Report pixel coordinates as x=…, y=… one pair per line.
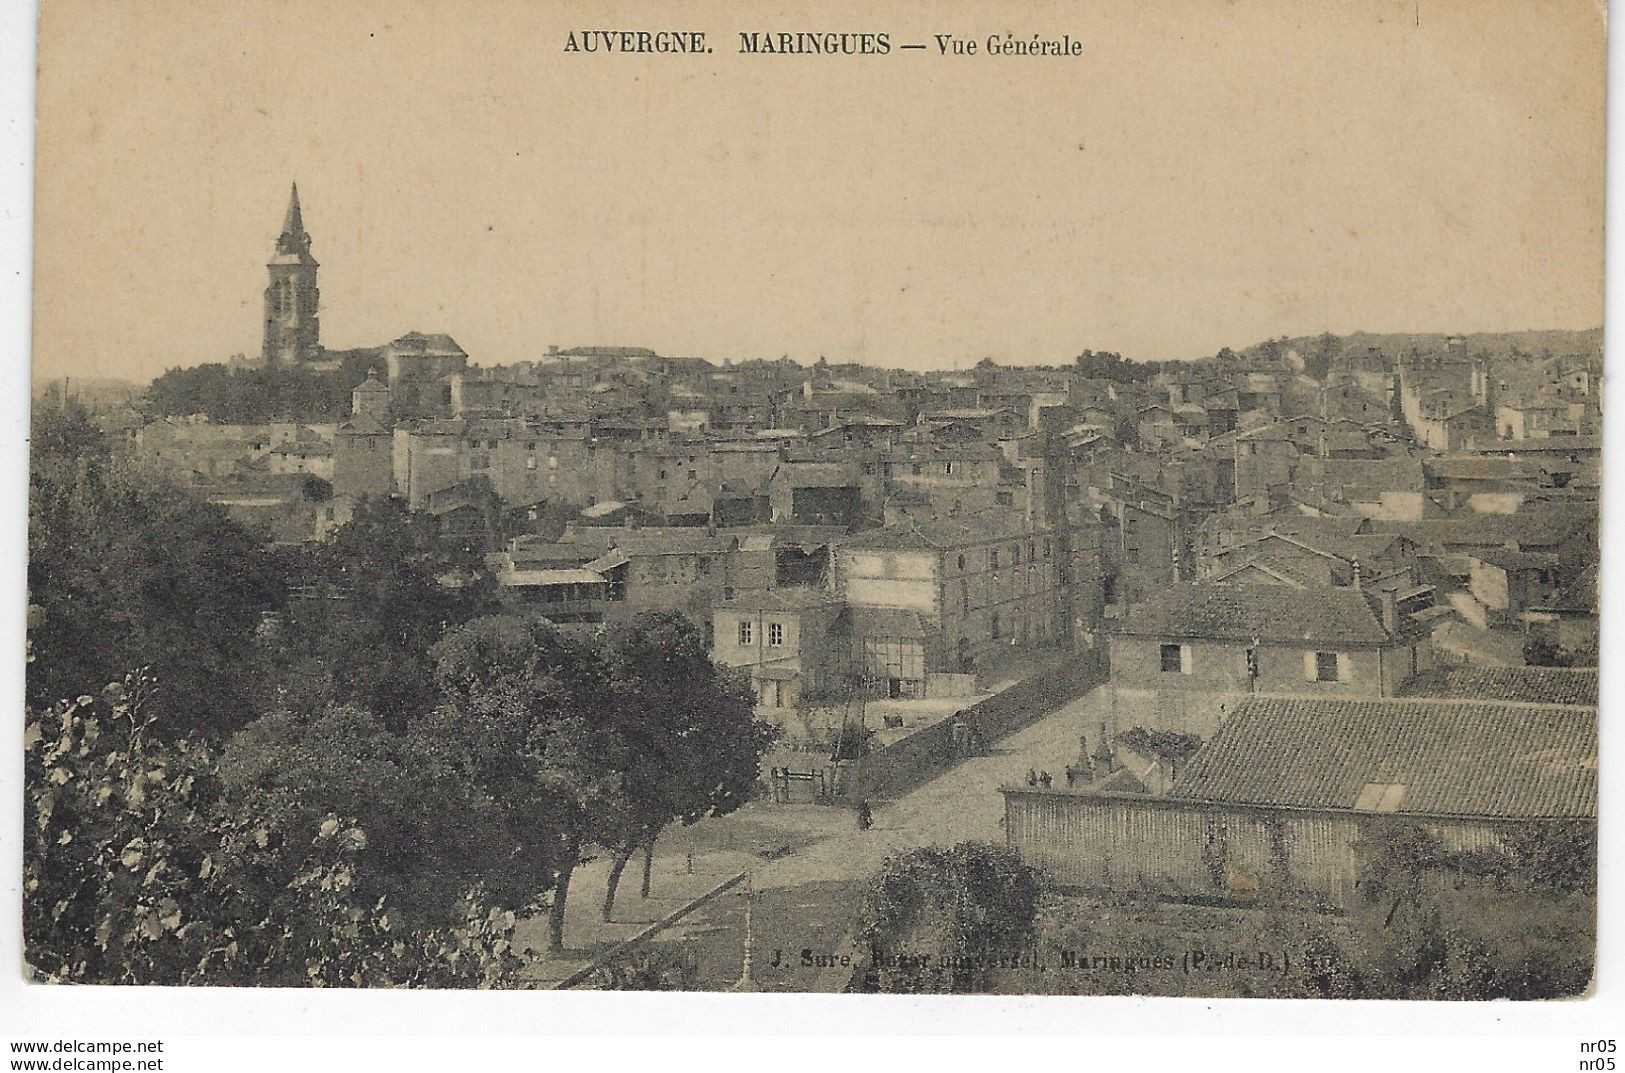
x=1203, y=175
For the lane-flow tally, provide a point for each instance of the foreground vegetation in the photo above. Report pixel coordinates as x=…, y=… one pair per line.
x=1518, y=925
x=364, y=787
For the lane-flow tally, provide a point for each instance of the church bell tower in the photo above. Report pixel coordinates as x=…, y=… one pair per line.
x=292, y=332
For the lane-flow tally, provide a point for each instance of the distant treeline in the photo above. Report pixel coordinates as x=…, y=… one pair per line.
x=253, y=396
x=1109, y=365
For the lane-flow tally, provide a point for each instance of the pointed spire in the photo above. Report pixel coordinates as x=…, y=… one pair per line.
x=294, y=241
x=294, y=222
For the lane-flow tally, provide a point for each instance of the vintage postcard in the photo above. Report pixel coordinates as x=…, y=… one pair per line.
x=1062, y=499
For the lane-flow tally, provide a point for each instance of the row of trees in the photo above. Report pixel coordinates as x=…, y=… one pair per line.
x=149, y=854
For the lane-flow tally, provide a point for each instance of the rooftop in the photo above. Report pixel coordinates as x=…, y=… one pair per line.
x=793, y=598
x=1430, y=757
x=1575, y=686
x=1319, y=614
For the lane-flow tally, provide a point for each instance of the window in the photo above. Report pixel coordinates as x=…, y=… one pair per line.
x=775, y=634
x=1326, y=667
x=744, y=631
x=915, y=469
x=691, y=475
x=993, y=558
x=1380, y=797
x=1176, y=659
x=1015, y=555
x=1004, y=499
x=993, y=627
x=1252, y=663
x=948, y=468
x=961, y=562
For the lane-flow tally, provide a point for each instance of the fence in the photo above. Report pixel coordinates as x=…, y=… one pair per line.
x=1183, y=849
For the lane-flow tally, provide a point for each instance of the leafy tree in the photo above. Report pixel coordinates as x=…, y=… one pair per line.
x=687, y=741
x=255, y=396
x=138, y=869
x=127, y=570
x=528, y=708
x=431, y=835
x=944, y=920
x=1107, y=365
x=1323, y=355
x=1540, y=651
x=373, y=604
x=1397, y=854
x=1559, y=854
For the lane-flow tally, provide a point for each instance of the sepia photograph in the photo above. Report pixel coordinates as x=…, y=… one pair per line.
x=921, y=499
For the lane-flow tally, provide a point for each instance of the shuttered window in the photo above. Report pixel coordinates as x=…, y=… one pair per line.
x=1176, y=659
x=1325, y=666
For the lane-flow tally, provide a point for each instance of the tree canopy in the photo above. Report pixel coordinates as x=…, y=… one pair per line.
x=369, y=605
x=128, y=570
x=140, y=866
x=255, y=396
x=686, y=741
x=948, y=919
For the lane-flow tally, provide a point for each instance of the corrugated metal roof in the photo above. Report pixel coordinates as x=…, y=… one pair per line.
x=1453, y=757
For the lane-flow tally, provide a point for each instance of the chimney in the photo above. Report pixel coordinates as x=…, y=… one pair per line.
x=1357, y=575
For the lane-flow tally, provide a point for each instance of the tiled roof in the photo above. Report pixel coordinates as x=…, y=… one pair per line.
x=902, y=537
x=431, y=342
x=1321, y=614
x=1531, y=685
x=945, y=531
x=791, y=598
x=1450, y=757
x=672, y=540
x=363, y=425
x=1541, y=527
x=1479, y=468
x=880, y=622
x=1514, y=560
x=816, y=474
